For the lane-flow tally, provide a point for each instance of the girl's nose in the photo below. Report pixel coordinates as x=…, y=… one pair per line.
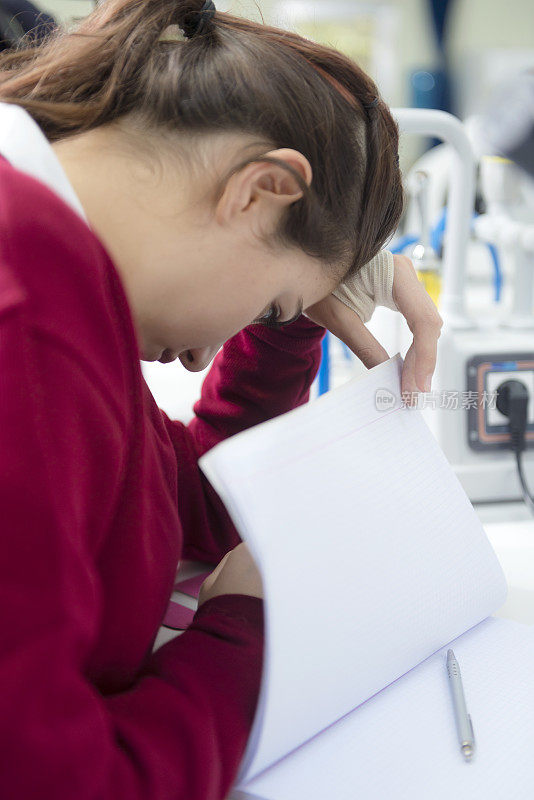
x=197, y=360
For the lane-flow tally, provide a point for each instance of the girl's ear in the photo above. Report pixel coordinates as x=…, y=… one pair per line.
x=258, y=192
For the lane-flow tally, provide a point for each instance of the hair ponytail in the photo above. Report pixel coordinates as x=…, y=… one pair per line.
x=235, y=75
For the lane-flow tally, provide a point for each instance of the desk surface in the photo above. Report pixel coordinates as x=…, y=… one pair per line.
x=510, y=529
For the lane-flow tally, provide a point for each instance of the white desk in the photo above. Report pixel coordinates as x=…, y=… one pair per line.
x=510, y=529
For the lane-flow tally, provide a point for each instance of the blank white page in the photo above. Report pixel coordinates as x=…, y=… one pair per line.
x=402, y=743
x=364, y=503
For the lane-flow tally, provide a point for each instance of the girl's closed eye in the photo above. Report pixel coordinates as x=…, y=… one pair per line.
x=271, y=318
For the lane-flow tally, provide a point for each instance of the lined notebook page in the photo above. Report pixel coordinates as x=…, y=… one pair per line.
x=402, y=743
x=363, y=503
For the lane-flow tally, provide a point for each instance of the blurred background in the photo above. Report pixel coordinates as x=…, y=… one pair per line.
x=446, y=54
x=452, y=55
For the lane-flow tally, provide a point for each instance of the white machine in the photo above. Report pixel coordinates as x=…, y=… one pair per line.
x=477, y=352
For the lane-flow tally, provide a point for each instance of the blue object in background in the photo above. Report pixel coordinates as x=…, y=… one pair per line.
x=402, y=243
x=323, y=375
x=497, y=272
x=429, y=89
x=438, y=232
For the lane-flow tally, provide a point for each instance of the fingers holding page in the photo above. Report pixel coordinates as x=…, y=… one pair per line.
x=347, y=326
x=424, y=321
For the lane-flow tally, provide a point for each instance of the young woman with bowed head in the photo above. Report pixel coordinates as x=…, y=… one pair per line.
x=172, y=180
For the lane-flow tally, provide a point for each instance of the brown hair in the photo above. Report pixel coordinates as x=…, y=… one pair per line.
x=239, y=76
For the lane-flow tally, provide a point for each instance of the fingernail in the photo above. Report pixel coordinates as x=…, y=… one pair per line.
x=428, y=383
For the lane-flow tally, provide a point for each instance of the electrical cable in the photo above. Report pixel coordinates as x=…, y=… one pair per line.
x=497, y=271
x=512, y=401
x=527, y=497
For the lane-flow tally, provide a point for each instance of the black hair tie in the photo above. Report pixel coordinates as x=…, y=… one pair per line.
x=372, y=104
x=368, y=107
x=198, y=22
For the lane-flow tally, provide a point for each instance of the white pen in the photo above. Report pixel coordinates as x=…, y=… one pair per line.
x=464, y=726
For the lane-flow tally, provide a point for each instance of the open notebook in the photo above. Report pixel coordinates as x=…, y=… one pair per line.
x=373, y=561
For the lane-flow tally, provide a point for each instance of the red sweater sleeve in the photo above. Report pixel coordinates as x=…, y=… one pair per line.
x=180, y=730
x=259, y=374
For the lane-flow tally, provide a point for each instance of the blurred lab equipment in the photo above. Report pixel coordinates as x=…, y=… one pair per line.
x=483, y=345
x=509, y=121
x=366, y=32
x=424, y=257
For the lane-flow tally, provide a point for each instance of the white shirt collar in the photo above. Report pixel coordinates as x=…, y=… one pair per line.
x=26, y=147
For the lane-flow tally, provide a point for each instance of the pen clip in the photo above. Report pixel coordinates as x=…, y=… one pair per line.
x=471, y=727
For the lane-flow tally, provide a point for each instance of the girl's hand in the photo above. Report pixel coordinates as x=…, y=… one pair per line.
x=424, y=321
x=236, y=573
